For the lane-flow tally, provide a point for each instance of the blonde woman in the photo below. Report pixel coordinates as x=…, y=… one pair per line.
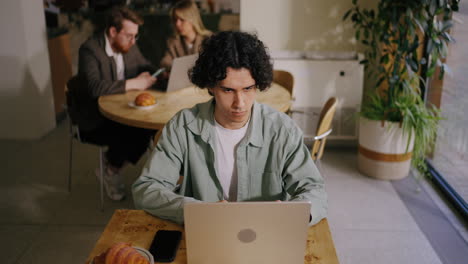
x=189, y=32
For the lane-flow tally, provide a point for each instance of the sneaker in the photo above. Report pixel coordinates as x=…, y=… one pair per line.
x=113, y=184
x=116, y=176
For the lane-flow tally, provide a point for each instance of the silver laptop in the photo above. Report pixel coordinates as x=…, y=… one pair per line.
x=178, y=78
x=246, y=232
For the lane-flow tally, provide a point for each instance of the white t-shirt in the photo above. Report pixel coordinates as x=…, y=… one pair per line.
x=189, y=45
x=226, y=145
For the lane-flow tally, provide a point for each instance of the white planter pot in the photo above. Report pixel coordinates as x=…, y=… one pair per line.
x=383, y=150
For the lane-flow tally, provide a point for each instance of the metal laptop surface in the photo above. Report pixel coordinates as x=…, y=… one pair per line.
x=246, y=232
x=178, y=78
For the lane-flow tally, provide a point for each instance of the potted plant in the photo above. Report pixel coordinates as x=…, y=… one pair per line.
x=405, y=43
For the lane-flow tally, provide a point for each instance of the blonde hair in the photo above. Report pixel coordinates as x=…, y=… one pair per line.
x=188, y=10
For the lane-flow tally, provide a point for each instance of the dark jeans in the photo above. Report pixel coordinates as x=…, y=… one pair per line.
x=125, y=143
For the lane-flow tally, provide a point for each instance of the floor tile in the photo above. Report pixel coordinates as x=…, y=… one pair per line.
x=434, y=224
x=16, y=239
x=449, y=211
x=83, y=207
x=62, y=244
x=383, y=247
x=359, y=202
x=83, y=203
x=33, y=203
x=464, y=234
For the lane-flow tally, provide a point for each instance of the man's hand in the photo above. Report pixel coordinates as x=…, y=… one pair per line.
x=141, y=82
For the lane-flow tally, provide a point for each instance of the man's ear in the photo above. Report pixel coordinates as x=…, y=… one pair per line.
x=112, y=32
x=210, y=91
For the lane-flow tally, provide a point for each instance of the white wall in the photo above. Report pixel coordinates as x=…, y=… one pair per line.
x=26, y=99
x=300, y=24
x=316, y=28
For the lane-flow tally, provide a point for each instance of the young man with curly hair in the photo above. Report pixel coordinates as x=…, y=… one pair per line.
x=231, y=147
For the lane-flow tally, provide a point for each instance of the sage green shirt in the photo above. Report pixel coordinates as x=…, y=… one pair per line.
x=272, y=164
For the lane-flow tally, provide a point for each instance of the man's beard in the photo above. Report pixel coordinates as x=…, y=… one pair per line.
x=121, y=48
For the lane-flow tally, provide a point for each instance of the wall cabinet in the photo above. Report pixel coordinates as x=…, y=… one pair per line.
x=61, y=68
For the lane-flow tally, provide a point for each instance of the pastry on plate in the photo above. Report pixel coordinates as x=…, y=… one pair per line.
x=145, y=99
x=120, y=253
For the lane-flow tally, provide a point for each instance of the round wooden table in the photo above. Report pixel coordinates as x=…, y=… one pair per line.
x=116, y=107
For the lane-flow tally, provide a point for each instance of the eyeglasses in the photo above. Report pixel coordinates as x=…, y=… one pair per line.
x=130, y=37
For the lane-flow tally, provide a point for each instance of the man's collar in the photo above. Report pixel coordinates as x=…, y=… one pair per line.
x=109, y=51
x=204, y=122
x=255, y=131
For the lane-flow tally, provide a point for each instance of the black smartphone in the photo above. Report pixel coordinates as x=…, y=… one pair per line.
x=165, y=244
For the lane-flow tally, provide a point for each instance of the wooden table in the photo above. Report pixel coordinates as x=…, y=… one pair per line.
x=116, y=108
x=138, y=228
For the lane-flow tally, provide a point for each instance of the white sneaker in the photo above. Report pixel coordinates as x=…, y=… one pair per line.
x=115, y=189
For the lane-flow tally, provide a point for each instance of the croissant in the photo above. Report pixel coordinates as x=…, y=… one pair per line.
x=120, y=253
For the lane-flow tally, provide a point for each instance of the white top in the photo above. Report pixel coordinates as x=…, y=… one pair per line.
x=118, y=58
x=226, y=145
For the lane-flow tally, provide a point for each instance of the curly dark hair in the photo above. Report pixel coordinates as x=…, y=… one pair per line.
x=232, y=49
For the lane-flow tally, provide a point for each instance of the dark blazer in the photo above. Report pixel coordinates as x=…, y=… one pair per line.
x=97, y=75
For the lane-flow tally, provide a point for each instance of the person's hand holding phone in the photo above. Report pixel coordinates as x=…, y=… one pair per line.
x=142, y=82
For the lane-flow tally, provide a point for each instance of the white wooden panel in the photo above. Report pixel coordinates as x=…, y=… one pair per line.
x=316, y=80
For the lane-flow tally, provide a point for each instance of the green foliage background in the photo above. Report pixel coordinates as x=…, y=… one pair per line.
x=406, y=41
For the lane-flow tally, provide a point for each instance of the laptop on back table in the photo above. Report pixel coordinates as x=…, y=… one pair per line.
x=178, y=78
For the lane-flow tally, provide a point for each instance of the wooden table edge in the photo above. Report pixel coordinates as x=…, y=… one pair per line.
x=157, y=126
x=115, y=217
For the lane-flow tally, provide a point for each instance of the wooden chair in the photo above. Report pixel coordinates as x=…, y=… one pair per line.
x=324, y=128
x=156, y=138
x=74, y=133
x=285, y=79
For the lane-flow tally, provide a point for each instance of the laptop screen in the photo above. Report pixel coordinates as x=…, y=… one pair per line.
x=178, y=78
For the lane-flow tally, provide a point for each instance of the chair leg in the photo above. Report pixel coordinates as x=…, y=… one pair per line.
x=318, y=163
x=101, y=175
x=70, y=163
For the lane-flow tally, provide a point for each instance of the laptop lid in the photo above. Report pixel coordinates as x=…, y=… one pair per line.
x=246, y=232
x=178, y=78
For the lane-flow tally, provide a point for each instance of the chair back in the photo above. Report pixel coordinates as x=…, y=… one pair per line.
x=68, y=106
x=82, y=109
x=323, y=128
x=156, y=137
x=285, y=79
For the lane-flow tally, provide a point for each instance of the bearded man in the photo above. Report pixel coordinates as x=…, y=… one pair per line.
x=109, y=63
